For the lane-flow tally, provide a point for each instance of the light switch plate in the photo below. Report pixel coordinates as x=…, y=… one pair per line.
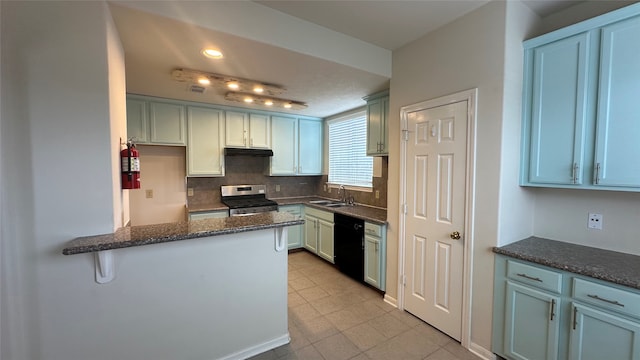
x=189, y=191
x=149, y=193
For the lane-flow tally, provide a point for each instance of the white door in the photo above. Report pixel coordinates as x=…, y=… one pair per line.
x=435, y=198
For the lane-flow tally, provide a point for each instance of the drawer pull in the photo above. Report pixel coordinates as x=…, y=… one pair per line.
x=553, y=309
x=612, y=302
x=575, y=317
x=530, y=277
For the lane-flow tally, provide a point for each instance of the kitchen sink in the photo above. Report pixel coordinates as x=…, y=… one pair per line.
x=328, y=203
x=336, y=204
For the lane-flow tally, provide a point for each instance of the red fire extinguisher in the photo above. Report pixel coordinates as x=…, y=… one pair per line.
x=130, y=159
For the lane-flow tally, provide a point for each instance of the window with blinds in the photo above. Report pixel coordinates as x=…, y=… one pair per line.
x=348, y=160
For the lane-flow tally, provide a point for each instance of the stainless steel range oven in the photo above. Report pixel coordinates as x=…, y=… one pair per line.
x=246, y=199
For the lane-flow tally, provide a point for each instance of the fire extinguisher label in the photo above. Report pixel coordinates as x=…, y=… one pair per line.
x=135, y=164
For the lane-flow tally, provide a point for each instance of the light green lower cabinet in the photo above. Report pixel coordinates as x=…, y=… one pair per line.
x=532, y=323
x=597, y=335
x=543, y=313
x=318, y=233
x=200, y=215
x=375, y=257
x=295, y=233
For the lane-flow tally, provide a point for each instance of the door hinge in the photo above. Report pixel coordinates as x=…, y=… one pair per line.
x=404, y=208
x=405, y=135
x=404, y=280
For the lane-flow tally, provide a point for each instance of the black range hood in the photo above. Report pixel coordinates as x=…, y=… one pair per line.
x=247, y=152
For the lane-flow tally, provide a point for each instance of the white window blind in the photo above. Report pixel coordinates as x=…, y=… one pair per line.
x=348, y=160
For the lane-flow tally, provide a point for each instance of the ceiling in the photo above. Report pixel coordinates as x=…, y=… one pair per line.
x=159, y=37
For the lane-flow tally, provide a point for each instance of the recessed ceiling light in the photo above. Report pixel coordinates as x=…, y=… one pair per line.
x=248, y=100
x=204, y=81
x=258, y=89
x=212, y=53
x=233, y=85
x=268, y=102
x=287, y=106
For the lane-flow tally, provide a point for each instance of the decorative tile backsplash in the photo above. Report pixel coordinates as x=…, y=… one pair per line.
x=240, y=170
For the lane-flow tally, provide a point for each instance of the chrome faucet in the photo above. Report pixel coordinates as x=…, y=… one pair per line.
x=342, y=191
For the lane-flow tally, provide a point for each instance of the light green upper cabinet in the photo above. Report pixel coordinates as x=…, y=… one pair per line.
x=558, y=110
x=167, y=123
x=297, y=146
x=377, y=126
x=247, y=130
x=580, y=122
x=155, y=122
x=137, y=121
x=617, y=157
x=205, y=129
x=284, y=137
x=310, y=147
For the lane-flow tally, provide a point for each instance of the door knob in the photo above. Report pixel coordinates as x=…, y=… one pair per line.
x=455, y=235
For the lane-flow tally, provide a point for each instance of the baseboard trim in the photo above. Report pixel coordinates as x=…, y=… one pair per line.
x=259, y=349
x=481, y=352
x=391, y=301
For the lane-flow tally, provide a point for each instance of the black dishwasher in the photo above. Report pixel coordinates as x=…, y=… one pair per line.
x=348, y=236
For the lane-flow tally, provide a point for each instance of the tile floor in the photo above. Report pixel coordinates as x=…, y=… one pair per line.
x=333, y=317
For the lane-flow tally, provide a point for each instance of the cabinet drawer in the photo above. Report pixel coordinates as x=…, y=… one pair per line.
x=324, y=215
x=372, y=229
x=541, y=278
x=607, y=297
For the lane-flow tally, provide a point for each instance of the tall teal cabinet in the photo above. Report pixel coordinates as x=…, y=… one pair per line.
x=581, y=114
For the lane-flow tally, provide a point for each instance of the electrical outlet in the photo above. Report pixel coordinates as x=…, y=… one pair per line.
x=278, y=188
x=595, y=221
x=377, y=194
x=149, y=193
x=189, y=191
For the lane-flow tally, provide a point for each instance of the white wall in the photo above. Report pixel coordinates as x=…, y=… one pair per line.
x=162, y=170
x=483, y=50
x=58, y=166
x=117, y=119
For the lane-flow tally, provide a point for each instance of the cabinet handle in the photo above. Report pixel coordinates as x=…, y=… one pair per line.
x=597, y=179
x=530, y=277
x=574, y=174
x=612, y=302
x=553, y=309
x=575, y=317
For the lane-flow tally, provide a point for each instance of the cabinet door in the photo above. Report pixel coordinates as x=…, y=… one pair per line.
x=295, y=232
x=310, y=147
x=167, y=124
x=259, y=131
x=558, y=111
x=372, y=260
x=618, y=125
x=204, y=146
x=311, y=233
x=236, y=125
x=599, y=335
x=375, y=109
x=284, y=138
x=384, y=127
x=137, y=121
x=325, y=240
x=531, y=323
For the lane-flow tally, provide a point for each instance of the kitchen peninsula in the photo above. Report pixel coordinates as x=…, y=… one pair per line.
x=200, y=285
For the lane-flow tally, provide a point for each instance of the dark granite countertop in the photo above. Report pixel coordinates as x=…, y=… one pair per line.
x=161, y=233
x=618, y=268
x=364, y=212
